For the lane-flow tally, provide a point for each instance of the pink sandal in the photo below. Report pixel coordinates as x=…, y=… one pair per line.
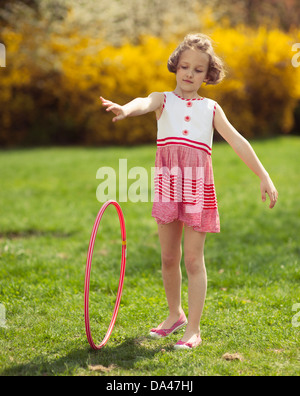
x=160, y=333
x=188, y=345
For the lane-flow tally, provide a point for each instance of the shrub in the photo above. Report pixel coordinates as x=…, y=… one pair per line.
x=49, y=91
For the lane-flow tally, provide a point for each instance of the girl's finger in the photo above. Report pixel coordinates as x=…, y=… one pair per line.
x=111, y=108
x=273, y=198
x=105, y=102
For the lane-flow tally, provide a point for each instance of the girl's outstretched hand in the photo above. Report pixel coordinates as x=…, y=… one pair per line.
x=268, y=187
x=115, y=108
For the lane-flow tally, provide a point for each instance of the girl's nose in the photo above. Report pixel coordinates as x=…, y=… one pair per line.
x=189, y=73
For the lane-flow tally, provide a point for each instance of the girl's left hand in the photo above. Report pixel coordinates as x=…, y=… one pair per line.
x=268, y=187
x=115, y=108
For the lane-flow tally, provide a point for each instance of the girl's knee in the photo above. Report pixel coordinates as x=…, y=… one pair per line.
x=170, y=260
x=194, y=264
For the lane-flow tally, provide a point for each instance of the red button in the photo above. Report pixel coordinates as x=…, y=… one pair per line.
x=187, y=118
x=189, y=104
x=185, y=132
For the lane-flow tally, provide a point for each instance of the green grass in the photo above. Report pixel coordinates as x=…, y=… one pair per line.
x=47, y=208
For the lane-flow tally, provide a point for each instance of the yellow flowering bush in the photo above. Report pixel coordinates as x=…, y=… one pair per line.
x=49, y=91
x=261, y=90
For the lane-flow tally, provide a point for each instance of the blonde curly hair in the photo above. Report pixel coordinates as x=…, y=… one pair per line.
x=216, y=71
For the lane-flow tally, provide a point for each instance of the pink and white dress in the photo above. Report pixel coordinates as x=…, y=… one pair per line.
x=184, y=182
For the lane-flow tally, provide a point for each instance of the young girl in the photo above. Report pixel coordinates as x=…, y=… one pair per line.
x=184, y=185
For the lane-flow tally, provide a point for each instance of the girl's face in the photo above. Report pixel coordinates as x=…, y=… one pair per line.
x=191, y=71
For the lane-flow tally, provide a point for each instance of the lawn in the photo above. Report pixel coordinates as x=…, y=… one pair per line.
x=48, y=206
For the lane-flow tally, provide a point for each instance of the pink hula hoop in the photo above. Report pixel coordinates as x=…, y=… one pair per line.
x=88, y=274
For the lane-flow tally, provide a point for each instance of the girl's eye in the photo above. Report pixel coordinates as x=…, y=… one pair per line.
x=199, y=71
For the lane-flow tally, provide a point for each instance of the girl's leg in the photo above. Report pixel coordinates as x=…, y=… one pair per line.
x=197, y=280
x=170, y=236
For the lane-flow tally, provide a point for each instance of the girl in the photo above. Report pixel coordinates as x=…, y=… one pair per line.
x=184, y=185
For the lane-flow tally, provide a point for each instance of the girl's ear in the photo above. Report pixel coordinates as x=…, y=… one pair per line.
x=207, y=79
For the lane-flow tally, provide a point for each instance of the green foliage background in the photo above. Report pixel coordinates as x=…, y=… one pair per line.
x=62, y=55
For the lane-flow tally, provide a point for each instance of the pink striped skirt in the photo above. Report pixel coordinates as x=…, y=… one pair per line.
x=184, y=188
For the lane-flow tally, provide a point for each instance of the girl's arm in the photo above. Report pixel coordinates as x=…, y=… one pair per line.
x=137, y=107
x=244, y=150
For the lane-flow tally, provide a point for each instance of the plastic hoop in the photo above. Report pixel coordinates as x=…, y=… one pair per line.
x=88, y=274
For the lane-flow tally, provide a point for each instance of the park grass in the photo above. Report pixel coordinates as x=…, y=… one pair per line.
x=47, y=208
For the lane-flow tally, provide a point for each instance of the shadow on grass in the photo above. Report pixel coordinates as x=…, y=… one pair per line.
x=32, y=233
x=123, y=356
